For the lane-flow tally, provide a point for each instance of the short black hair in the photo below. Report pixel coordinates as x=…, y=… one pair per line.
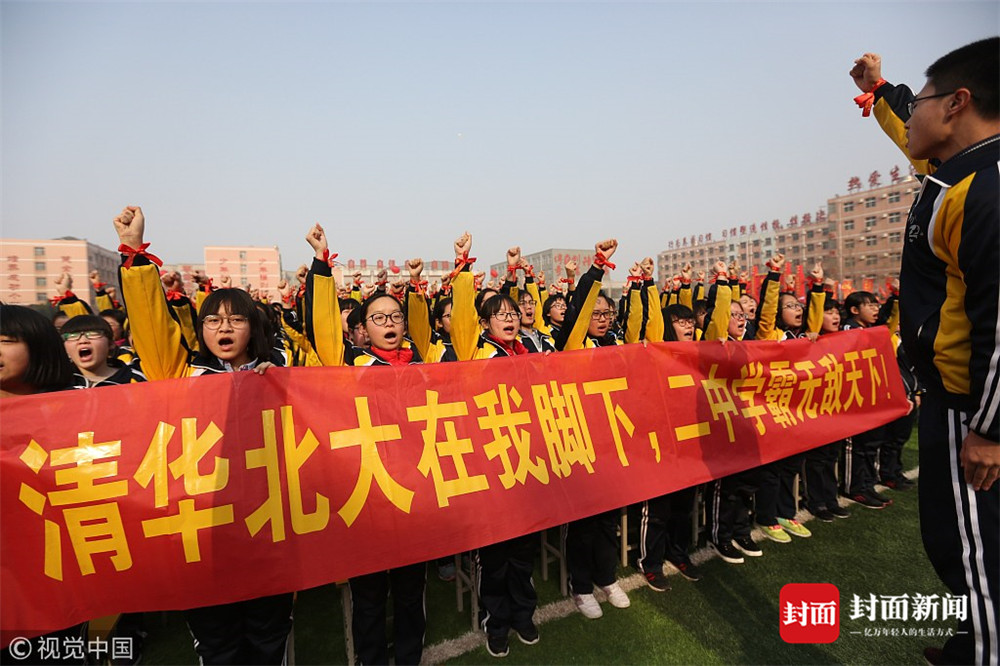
x=700, y=307
x=354, y=318
x=676, y=311
x=368, y=302
x=856, y=299
x=117, y=315
x=347, y=304
x=84, y=323
x=49, y=368
x=547, y=307
x=238, y=302
x=975, y=66
x=482, y=297
x=439, y=308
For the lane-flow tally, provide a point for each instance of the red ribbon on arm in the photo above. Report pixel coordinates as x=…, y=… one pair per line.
x=566, y=280
x=133, y=253
x=867, y=100
x=460, y=263
x=418, y=284
x=175, y=296
x=602, y=261
x=58, y=299
x=328, y=258
x=100, y=285
x=634, y=278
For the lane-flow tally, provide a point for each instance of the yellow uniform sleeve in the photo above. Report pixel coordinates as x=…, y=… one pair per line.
x=814, y=316
x=418, y=322
x=323, y=323
x=537, y=296
x=767, y=313
x=157, y=338
x=718, y=325
x=464, y=320
x=654, y=322
x=891, y=113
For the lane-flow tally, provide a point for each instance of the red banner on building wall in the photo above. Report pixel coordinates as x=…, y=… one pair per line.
x=191, y=492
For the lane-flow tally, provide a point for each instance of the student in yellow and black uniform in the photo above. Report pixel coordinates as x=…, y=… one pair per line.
x=506, y=589
x=857, y=475
x=949, y=302
x=385, y=324
x=950, y=284
x=90, y=346
x=232, y=337
x=67, y=302
x=776, y=503
x=591, y=545
x=729, y=499
x=33, y=361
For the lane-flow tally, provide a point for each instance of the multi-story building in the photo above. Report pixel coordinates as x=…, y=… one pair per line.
x=31, y=268
x=857, y=236
x=187, y=271
x=258, y=267
x=553, y=263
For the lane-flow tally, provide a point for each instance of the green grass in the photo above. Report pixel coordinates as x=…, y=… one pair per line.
x=729, y=617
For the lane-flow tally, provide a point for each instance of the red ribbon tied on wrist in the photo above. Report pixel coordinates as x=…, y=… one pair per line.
x=100, y=285
x=58, y=299
x=328, y=258
x=602, y=261
x=634, y=278
x=566, y=280
x=133, y=253
x=867, y=100
x=418, y=284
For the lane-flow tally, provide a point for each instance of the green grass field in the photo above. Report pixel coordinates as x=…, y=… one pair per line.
x=730, y=617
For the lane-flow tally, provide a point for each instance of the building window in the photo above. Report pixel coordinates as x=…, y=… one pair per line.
x=243, y=254
x=871, y=260
x=869, y=202
x=39, y=265
x=39, y=251
x=894, y=197
x=849, y=261
x=41, y=282
x=848, y=206
x=810, y=248
x=848, y=225
x=895, y=237
x=895, y=217
x=869, y=222
x=795, y=237
x=809, y=234
x=849, y=244
x=871, y=241
x=40, y=297
x=243, y=268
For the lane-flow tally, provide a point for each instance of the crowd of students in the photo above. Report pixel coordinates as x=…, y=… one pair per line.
x=171, y=334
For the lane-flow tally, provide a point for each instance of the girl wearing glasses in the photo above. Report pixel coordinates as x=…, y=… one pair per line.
x=89, y=343
x=233, y=337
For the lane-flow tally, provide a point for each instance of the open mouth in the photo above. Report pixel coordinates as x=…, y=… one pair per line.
x=391, y=336
x=509, y=329
x=689, y=335
x=86, y=353
x=226, y=343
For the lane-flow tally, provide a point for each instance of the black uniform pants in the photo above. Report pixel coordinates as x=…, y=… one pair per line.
x=729, y=503
x=857, y=475
x=506, y=591
x=961, y=532
x=776, y=493
x=821, y=476
x=592, y=551
x=246, y=632
x=369, y=595
x=665, y=531
x=890, y=456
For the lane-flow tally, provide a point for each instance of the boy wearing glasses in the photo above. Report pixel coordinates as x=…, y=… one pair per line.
x=950, y=131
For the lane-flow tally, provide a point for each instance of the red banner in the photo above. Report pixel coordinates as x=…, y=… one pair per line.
x=183, y=493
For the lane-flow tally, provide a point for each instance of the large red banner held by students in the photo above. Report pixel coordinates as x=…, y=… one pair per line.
x=191, y=492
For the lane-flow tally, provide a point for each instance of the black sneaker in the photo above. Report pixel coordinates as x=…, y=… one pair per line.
x=866, y=501
x=498, y=646
x=824, y=515
x=688, y=570
x=528, y=635
x=880, y=497
x=746, y=545
x=657, y=581
x=839, y=511
x=727, y=552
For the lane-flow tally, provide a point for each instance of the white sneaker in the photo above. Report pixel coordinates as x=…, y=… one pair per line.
x=587, y=603
x=617, y=596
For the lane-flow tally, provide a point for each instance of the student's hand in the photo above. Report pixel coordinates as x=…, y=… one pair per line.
x=416, y=267
x=478, y=277
x=790, y=282
x=894, y=286
x=606, y=247
x=776, y=262
x=813, y=336
x=524, y=265
x=285, y=290
x=381, y=277
x=261, y=368
x=635, y=270
x=720, y=270
x=200, y=278
x=463, y=245
x=540, y=279
x=867, y=71
x=130, y=225
x=513, y=257
x=246, y=287
x=397, y=288
x=701, y=276
x=980, y=460
x=676, y=284
x=829, y=284
x=817, y=272
x=317, y=240
x=570, y=268
x=95, y=278
x=367, y=290
x=301, y=274
x=491, y=284
x=685, y=272
x=734, y=270
x=64, y=283
x=111, y=292
x=225, y=281
x=744, y=276
x=435, y=287
x=254, y=292
x=445, y=280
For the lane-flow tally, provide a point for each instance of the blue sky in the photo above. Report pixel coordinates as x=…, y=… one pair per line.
x=399, y=125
